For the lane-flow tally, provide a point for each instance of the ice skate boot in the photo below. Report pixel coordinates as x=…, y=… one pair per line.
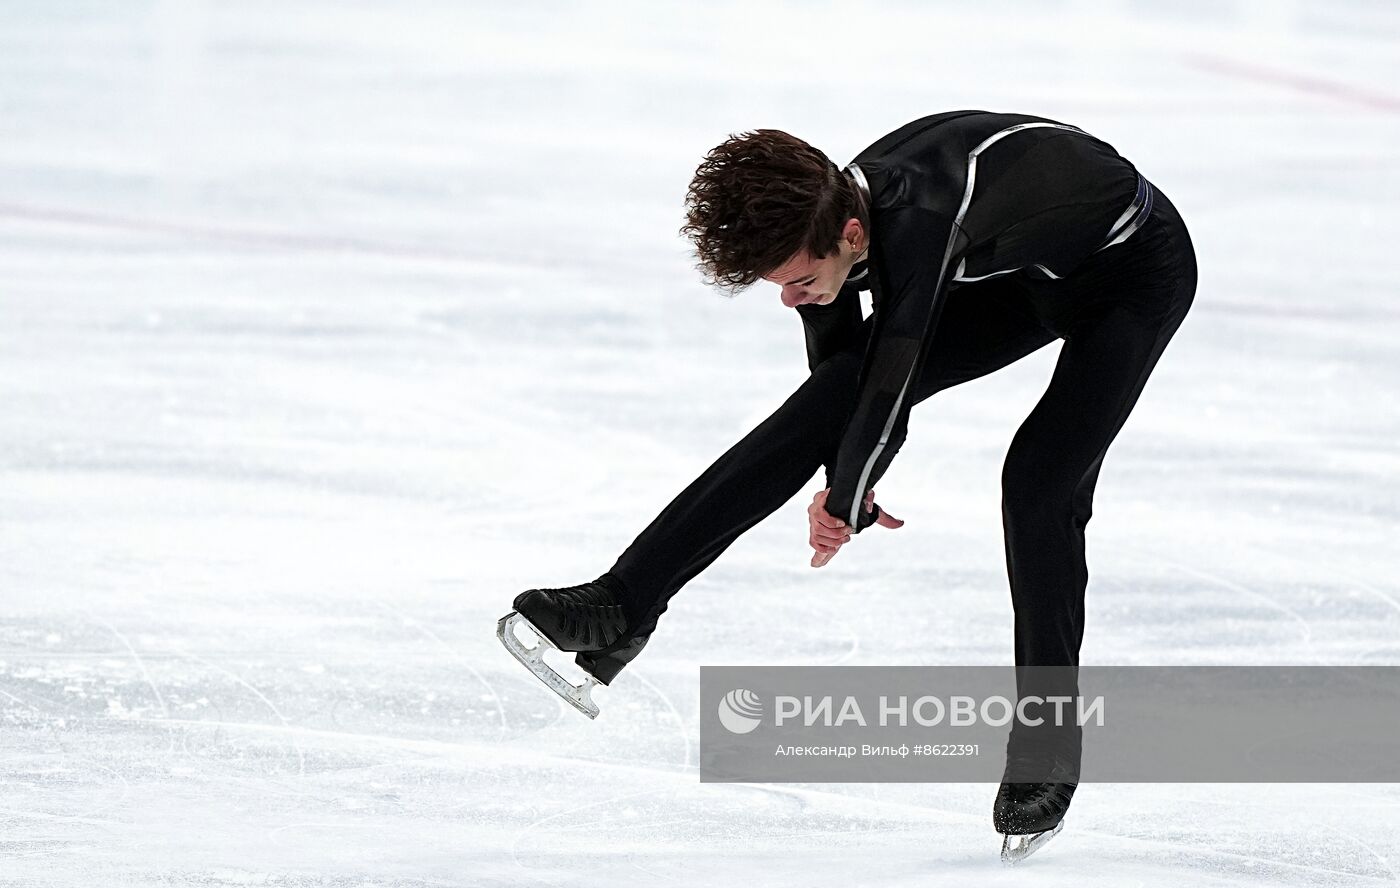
x=1030, y=814
x=583, y=619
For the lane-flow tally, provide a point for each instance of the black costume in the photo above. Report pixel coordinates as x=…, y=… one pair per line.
x=991, y=235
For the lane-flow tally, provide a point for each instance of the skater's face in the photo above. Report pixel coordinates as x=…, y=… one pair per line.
x=806, y=279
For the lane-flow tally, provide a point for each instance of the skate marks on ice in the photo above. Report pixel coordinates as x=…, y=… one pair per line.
x=277, y=713
x=843, y=839
x=682, y=728
x=140, y=663
x=1382, y=860
x=666, y=832
x=1149, y=558
x=1327, y=611
x=416, y=625
x=1342, y=586
x=345, y=764
x=567, y=875
x=333, y=802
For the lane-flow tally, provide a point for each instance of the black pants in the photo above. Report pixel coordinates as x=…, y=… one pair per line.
x=1116, y=313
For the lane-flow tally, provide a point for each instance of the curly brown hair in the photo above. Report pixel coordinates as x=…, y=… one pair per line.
x=759, y=198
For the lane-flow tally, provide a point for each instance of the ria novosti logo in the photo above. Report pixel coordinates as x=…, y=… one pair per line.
x=740, y=711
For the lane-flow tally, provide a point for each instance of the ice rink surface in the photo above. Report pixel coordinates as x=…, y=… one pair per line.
x=326, y=328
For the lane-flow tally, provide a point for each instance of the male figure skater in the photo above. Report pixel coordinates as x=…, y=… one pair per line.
x=982, y=237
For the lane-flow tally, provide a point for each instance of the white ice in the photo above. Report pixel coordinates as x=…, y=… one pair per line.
x=326, y=328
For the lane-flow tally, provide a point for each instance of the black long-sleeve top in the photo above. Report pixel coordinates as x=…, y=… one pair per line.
x=955, y=198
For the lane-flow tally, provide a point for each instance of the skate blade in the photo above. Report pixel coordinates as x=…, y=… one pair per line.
x=1015, y=849
x=578, y=696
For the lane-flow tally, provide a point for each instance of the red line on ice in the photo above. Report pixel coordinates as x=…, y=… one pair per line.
x=250, y=237
x=1302, y=83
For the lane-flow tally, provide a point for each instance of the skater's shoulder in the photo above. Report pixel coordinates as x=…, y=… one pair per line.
x=902, y=137
x=961, y=129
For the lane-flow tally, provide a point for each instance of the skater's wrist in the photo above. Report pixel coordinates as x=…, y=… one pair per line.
x=868, y=518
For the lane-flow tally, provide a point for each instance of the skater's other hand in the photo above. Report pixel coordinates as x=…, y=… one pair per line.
x=827, y=533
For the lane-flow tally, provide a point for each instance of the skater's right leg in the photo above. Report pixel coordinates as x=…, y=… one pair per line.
x=765, y=469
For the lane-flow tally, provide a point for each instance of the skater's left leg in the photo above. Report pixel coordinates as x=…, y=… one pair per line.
x=1116, y=313
x=1053, y=466
x=1048, y=484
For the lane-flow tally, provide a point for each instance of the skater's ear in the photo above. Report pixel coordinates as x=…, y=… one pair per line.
x=853, y=233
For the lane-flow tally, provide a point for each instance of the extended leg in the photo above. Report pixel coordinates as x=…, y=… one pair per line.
x=980, y=331
x=750, y=481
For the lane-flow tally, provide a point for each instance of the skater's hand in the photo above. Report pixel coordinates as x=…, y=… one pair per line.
x=829, y=533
